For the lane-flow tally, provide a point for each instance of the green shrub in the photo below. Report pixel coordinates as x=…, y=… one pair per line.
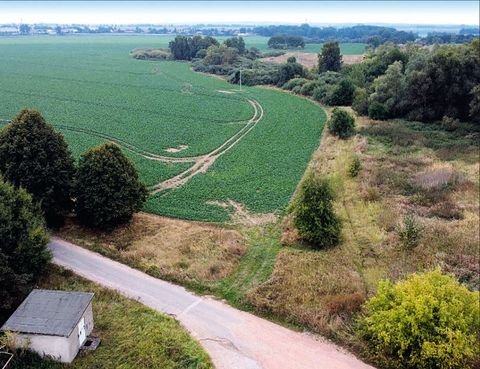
x=342, y=93
x=341, y=124
x=36, y=157
x=308, y=88
x=450, y=124
x=313, y=213
x=24, y=255
x=377, y=110
x=108, y=190
x=294, y=82
x=428, y=321
x=410, y=232
x=355, y=167
x=360, y=101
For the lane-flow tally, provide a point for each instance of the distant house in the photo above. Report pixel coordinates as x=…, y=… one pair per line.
x=53, y=323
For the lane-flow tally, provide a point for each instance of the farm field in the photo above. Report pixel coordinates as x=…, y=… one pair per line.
x=231, y=150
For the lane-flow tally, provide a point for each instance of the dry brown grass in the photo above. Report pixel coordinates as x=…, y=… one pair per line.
x=402, y=173
x=309, y=60
x=168, y=248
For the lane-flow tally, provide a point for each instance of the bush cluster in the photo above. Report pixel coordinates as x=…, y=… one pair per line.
x=341, y=124
x=428, y=321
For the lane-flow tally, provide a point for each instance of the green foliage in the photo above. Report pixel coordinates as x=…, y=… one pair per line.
x=288, y=71
x=377, y=110
x=428, y=321
x=35, y=157
x=236, y=43
x=286, y=42
x=186, y=48
x=355, y=167
x=342, y=94
x=475, y=104
x=389, y=90
x=150, y=54
x=23, y=247
x=313, y=213
x=294, y=82
x=341, y=123
x=410, y=232
x=108, y=191
x=360, y=101
x=223, y=54
x=330, y=58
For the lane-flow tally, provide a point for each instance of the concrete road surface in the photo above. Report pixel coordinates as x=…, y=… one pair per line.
x=233, y=338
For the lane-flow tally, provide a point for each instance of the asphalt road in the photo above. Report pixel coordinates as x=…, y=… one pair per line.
x=233, y=338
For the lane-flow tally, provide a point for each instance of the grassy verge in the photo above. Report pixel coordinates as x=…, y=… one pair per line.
x=192, y=254
x=255, y=266
x=133, y=336
x=408, y=168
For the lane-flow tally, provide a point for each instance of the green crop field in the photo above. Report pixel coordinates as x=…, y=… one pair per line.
x=250, y=147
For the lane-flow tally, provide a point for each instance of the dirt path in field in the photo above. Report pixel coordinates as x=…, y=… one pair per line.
x=204, y=162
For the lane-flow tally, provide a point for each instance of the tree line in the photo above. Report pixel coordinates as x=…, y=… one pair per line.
x=360, y=33
x=40, y=185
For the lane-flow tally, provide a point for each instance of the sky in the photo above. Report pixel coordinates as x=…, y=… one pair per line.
x=244, y=12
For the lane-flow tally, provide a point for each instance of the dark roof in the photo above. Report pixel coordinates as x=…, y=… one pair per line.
x=46, y=312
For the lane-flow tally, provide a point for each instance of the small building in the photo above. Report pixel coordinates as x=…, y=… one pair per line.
x=53, y=323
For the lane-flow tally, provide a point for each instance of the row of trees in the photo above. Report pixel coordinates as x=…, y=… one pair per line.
x=188, y=48
x=362, y=33
x=418, y=83
x=40, y=185
x=286, y=42
x=104, y=189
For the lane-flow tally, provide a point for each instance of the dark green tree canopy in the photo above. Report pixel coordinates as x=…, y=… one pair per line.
x=35, y=157
x=286, y=42
x=342, y=123
x=288, y=71
x=186, y=48
x=23, y=244
x=330, y=58
x=108, y=190
x=313, y=213
x=237, y=43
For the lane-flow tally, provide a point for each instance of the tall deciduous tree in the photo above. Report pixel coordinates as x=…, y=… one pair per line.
x=330, y=58
x=23, y=244
x=36, y=157
x=108, y=190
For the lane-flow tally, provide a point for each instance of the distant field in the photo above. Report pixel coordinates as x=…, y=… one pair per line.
x=167, y=119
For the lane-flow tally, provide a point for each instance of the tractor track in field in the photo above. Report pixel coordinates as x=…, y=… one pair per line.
x=201, y=162
x=204, y=162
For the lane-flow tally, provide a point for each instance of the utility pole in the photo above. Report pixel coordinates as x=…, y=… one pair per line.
x=240, y=79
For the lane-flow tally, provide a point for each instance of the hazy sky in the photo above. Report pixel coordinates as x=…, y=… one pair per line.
x=219, y=12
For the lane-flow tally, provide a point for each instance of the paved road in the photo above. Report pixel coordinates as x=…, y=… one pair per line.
x=233, y=338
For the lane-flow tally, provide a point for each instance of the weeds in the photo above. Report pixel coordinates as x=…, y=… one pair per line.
x=410, y=232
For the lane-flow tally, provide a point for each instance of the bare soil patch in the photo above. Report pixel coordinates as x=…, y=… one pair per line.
x=240, y=215
x=177, y=149
x=171, y=249
x=226, y=91
x=309, y=60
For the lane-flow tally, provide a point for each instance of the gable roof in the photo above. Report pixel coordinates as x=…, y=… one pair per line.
x=48, y=312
